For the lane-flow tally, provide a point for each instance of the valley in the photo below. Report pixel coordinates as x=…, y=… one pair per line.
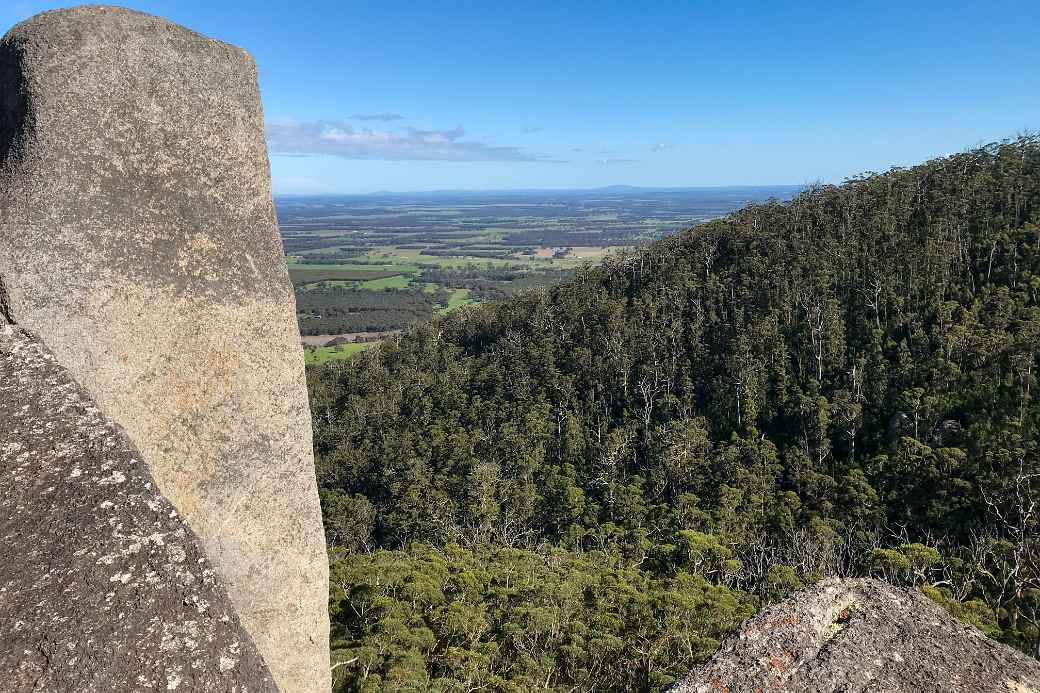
x=364, y=265
x=589, y=487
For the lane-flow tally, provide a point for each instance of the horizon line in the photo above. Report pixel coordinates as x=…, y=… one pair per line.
x=491, y=191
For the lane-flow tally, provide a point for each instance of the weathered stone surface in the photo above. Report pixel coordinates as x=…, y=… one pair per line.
x=103, y=587
x=861, y=635
x=138, y=242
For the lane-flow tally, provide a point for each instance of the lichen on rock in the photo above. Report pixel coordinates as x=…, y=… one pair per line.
x=859, y=635
x=103, y=586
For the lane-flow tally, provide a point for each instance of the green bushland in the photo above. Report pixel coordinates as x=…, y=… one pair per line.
x=334, y=309
x=844, y=384
x=506, y=619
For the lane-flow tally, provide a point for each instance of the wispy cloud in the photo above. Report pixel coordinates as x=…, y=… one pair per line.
x=617, y=161
x=607, y=151
x=577, y=149
x=528, y=131
x=407, y=144
x=661, y=147
x=382, y=117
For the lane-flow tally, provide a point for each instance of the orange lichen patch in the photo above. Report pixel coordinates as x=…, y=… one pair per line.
x=780, y=665
x=771, y=624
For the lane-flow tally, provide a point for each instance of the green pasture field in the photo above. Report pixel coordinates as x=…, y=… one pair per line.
x=387, y=267
x=391, y=256
x=302, y=275
x=398, y=281
x=458, y=298
x=313, y=357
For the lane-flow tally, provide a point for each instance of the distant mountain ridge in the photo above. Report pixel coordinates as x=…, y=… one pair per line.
x=787, y=190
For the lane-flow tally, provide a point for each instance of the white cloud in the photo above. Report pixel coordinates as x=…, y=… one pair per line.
x=341, y=139
x=661, y=147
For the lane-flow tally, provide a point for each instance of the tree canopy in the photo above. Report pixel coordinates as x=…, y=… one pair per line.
x=585, y=486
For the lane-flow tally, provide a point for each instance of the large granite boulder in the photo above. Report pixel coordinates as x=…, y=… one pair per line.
x=861, y=635
x=138, y=241
x=103, y=587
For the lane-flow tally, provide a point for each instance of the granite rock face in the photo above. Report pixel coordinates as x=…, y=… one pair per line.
x=103, y=586
x=138, y=241
x=861, y=635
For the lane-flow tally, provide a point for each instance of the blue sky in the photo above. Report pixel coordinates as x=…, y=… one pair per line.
x=451, y=95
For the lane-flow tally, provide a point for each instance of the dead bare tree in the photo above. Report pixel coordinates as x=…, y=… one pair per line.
x=1013, y=562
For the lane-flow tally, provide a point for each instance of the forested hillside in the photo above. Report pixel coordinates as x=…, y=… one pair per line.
x=586, y=487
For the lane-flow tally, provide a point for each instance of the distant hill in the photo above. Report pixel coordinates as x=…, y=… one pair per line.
x=841, y=385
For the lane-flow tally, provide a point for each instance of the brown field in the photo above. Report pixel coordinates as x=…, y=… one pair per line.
x=591, y=252
x=577, y=252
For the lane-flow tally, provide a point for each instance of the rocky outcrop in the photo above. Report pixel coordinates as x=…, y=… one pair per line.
x=138, y=241
x=861, y=635
x=103, y=586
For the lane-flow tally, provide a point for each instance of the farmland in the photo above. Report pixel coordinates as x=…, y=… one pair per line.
x=377, y=263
